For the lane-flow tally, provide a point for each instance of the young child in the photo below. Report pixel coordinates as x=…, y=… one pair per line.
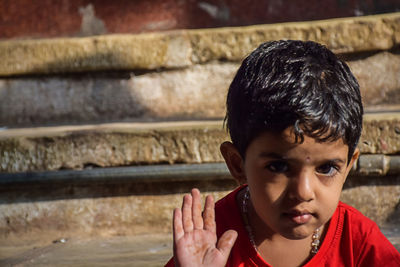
x=294, y=114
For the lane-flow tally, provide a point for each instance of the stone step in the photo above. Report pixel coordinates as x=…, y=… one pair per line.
x=197, y=92
x=126, y=78
x=108, y=145
x=187, y=47
x=129, y=144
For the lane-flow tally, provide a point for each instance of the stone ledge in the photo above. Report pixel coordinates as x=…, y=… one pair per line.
x=183, y=48
x=198, y=92
x=108, y=145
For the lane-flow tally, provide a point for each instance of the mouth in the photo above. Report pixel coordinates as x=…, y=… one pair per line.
x=299, y=217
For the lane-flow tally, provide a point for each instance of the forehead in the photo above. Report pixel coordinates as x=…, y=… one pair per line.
x=286, y=144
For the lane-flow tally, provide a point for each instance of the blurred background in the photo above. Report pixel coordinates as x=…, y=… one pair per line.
x=111, y=110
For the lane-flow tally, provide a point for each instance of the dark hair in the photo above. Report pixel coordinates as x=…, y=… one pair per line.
x=294, y=83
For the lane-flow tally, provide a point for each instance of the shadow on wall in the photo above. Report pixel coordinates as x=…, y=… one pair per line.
x=31, y=192
x=67, y=99
x=28, y=193
x=196, y=92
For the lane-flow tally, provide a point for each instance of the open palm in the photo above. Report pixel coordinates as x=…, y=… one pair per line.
x=195, y=238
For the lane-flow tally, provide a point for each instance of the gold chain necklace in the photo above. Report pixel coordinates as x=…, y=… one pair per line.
x=315, y=237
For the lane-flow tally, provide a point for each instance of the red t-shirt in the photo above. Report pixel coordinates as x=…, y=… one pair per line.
x=351, y=240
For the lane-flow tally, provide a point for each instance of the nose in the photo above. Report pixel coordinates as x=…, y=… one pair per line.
x=302, y=188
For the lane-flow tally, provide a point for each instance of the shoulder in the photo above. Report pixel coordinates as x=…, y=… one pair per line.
x=353, y=216
x=228, y=217
x=355, y=224
x=368, y=242
x=343, y=207
x=227, y=204
x=227, y=214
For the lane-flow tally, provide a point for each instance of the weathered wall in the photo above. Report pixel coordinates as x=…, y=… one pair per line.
x=95, y=209
x=47, y=18
x=70, y=211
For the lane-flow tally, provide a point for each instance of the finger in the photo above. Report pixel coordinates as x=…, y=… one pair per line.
x=196, y=209
x=209, y=215
x=187, y=213
x=226, y=242
x=177, y=225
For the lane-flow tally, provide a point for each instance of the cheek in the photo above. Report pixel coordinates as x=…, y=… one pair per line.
x=328, y=200
x=264, y=187
x=268, y=194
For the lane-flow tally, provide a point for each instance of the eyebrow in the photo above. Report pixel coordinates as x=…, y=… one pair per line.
x=337, y=160
x=275, y=155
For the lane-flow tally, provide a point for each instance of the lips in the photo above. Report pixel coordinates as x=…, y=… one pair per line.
x=299, y=217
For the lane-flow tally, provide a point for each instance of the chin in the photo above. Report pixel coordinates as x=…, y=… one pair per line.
x=297, y=233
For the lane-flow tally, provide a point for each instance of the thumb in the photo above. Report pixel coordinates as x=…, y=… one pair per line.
x=226, y=242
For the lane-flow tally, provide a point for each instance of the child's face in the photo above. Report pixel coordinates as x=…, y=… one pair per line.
x=295, y=187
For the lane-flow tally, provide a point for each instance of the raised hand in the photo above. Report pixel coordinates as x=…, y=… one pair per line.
x=195, y=238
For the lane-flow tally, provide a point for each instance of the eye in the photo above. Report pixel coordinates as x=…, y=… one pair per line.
x=328, y=169
x=278, y=166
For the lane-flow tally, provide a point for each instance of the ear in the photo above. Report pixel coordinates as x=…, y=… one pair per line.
x=353, y=160
x=234, y=161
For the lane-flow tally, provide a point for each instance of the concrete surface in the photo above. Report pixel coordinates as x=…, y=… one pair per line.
x=183, y=48
x=138, y=251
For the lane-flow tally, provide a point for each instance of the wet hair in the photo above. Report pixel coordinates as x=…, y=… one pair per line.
x=294, y=83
